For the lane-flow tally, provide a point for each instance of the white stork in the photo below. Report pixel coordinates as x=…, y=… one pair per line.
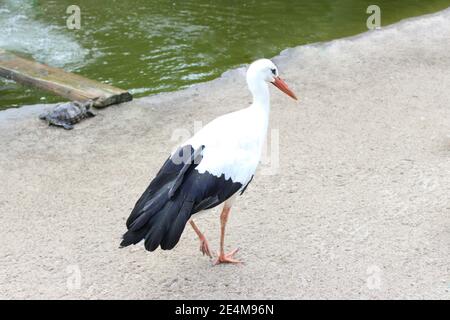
x=210, y=168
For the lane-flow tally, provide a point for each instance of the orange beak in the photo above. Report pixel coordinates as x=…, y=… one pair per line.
x=280, y=84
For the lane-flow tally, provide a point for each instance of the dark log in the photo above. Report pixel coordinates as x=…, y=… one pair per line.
x=59, y=82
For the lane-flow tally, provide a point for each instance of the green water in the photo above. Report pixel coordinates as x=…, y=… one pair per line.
x=151, y=46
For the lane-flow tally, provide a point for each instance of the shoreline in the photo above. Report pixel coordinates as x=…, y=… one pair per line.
x=355, y=207
x=240, y=70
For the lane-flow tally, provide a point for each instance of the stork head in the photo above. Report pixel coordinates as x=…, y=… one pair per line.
x=265, y=70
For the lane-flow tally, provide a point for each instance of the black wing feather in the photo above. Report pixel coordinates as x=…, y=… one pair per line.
x=174, y=195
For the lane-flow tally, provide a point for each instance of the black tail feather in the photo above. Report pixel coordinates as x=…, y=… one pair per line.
x=178, y=191
x=161, y=224
x=133, y=237
x=146, y=213
x=161, y=228
x=173, y=235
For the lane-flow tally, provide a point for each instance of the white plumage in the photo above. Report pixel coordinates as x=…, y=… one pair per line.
x=210, y=168
x=233, y=142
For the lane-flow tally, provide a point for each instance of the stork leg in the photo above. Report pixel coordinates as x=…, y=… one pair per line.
x=204, y=247
x=222, y=257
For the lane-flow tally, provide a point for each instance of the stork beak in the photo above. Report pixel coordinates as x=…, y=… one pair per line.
x=280, y=84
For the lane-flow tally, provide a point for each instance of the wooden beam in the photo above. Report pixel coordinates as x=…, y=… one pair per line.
x=59, y=82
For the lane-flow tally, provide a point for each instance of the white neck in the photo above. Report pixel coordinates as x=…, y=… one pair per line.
x=260, y=107
x=260, y=93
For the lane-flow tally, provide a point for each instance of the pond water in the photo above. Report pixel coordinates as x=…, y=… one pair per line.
x=151, y=46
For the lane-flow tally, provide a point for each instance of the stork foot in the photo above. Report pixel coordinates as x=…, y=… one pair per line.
x=227, y=258
x=204, y=247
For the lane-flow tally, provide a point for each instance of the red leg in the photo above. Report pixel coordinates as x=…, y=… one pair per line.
x=204, y=247
x=222, y=257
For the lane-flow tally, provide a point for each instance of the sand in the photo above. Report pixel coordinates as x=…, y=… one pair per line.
x=354, y=202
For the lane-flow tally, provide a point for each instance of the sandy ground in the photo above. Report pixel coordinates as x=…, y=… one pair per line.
x=358, y=206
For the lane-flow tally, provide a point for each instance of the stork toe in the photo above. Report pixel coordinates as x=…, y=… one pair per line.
x=227, y=258
x=204, y=247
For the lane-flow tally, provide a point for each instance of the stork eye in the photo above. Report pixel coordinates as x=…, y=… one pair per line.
x=274, y=71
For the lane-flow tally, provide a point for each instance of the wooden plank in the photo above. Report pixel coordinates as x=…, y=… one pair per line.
x=59, y=82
